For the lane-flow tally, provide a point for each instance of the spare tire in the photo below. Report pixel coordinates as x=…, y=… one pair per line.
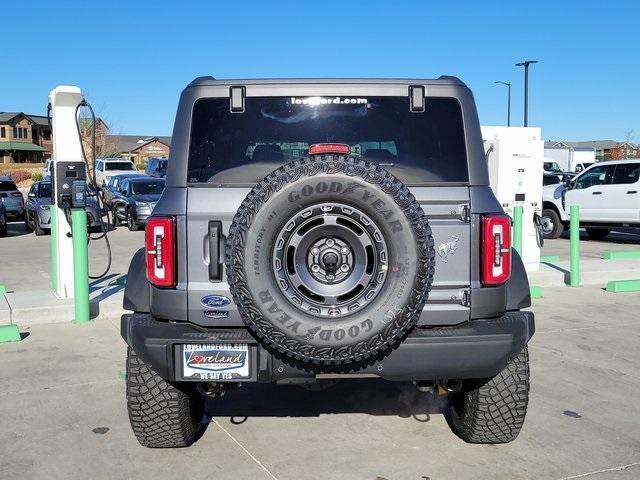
x=330, y=261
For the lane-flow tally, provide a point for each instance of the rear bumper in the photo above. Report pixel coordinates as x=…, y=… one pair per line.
x=475, y=349
x=14, y=212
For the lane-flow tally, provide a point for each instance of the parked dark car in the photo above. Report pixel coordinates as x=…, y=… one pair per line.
x=113, y=185
x=11, y=197
x=3, y=220
x=157, y=167
x=38, y=215
x=135, y=200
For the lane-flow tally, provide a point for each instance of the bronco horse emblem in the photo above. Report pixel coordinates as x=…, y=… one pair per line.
x=446, y=249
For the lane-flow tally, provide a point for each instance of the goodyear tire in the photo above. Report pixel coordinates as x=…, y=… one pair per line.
x=162, y=414
x=330, y=261
x=492, y=410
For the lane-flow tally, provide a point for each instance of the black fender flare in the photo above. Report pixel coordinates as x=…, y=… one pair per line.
x=137, y=290
x=518, y=293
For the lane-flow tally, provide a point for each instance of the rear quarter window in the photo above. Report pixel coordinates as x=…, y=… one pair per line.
x=7, y=186
x=241, y=148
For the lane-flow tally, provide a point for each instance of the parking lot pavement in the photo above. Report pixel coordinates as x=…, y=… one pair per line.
x=63, y=413
x=618, y=240
x=25, y=258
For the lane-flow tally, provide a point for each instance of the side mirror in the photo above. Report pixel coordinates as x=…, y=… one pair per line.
x=31, y=195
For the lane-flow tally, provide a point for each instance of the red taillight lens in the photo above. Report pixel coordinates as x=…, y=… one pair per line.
x=318, y=148
x=160, y=244
x=496, y=249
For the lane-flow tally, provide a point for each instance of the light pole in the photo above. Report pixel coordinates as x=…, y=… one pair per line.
x=508, y=84
x=526, y=64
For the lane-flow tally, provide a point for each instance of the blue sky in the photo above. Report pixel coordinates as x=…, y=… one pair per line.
x=133, y=58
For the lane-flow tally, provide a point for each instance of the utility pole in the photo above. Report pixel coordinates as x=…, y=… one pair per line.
x=526, y=64
x=508, y=84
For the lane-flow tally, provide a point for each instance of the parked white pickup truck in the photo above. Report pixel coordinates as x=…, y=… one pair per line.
x=608, y=194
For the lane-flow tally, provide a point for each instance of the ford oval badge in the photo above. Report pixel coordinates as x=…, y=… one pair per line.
x=214, y=301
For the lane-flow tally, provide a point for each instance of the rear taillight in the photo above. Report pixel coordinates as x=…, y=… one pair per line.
x=160, y=243
x=319, y=148
x=496, y=249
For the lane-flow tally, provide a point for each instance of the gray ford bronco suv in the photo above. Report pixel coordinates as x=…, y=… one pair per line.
x=314, y=230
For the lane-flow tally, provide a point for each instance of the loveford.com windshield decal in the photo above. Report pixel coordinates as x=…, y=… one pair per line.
x=315, y=101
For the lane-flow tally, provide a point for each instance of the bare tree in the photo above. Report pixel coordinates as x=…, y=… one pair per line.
x=628, y=135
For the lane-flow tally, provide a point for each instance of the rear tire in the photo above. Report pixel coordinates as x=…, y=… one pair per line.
x=492, y=410
x=27, y=227
x=552, y=226
x=115, y=221
x=38, y=228
x=162, y=414
x=598, y=233
x=131, y=222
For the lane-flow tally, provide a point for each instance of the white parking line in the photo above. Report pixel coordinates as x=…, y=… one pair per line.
x=266, y=470
x=613, y=469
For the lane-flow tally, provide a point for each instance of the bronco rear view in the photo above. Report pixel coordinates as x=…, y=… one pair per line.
x=314, y=230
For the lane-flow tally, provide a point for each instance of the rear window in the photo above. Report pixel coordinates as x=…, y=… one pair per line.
x=6, y=186
x=119, y=166
x=146, y=188
x=241, y=148
x=45, y=190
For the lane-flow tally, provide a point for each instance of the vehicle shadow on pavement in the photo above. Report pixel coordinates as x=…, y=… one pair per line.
x=16, y=229
x=628, y=236
x=372, y=397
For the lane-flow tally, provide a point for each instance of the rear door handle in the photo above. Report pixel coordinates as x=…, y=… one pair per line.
x=215, y=234
x=597, y=193
x=630, y=192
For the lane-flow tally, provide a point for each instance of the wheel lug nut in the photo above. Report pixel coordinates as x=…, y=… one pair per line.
x=315, y=268
x=330, y=242
x=330, y=277
x=315, y=251
x=344, y=267
x=344, y=250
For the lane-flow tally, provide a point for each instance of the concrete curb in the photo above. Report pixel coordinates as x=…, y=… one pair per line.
x=594, y=271
x=39, y=307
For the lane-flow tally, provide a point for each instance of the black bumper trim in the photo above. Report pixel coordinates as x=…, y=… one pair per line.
x=475, y=349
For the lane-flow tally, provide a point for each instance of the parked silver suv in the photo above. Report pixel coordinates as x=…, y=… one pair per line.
x=327, y=229
x=11, y=197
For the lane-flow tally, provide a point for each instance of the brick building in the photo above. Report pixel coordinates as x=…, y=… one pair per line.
x=24, y=138
x=605, y=149
x=138, y=149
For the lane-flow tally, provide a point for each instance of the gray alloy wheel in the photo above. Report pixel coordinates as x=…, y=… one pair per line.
x=330, y=260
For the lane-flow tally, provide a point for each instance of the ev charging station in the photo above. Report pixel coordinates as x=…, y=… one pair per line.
x=515, y=157
x=69, y=258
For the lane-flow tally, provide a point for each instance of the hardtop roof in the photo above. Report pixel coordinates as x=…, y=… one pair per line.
x=442, y=80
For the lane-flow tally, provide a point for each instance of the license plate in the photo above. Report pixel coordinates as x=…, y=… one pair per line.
x=215, y=361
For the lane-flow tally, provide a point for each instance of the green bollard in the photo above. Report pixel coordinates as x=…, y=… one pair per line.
x=517, y=229
x=80, y=265
x=54, y=250
x=574, y=245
